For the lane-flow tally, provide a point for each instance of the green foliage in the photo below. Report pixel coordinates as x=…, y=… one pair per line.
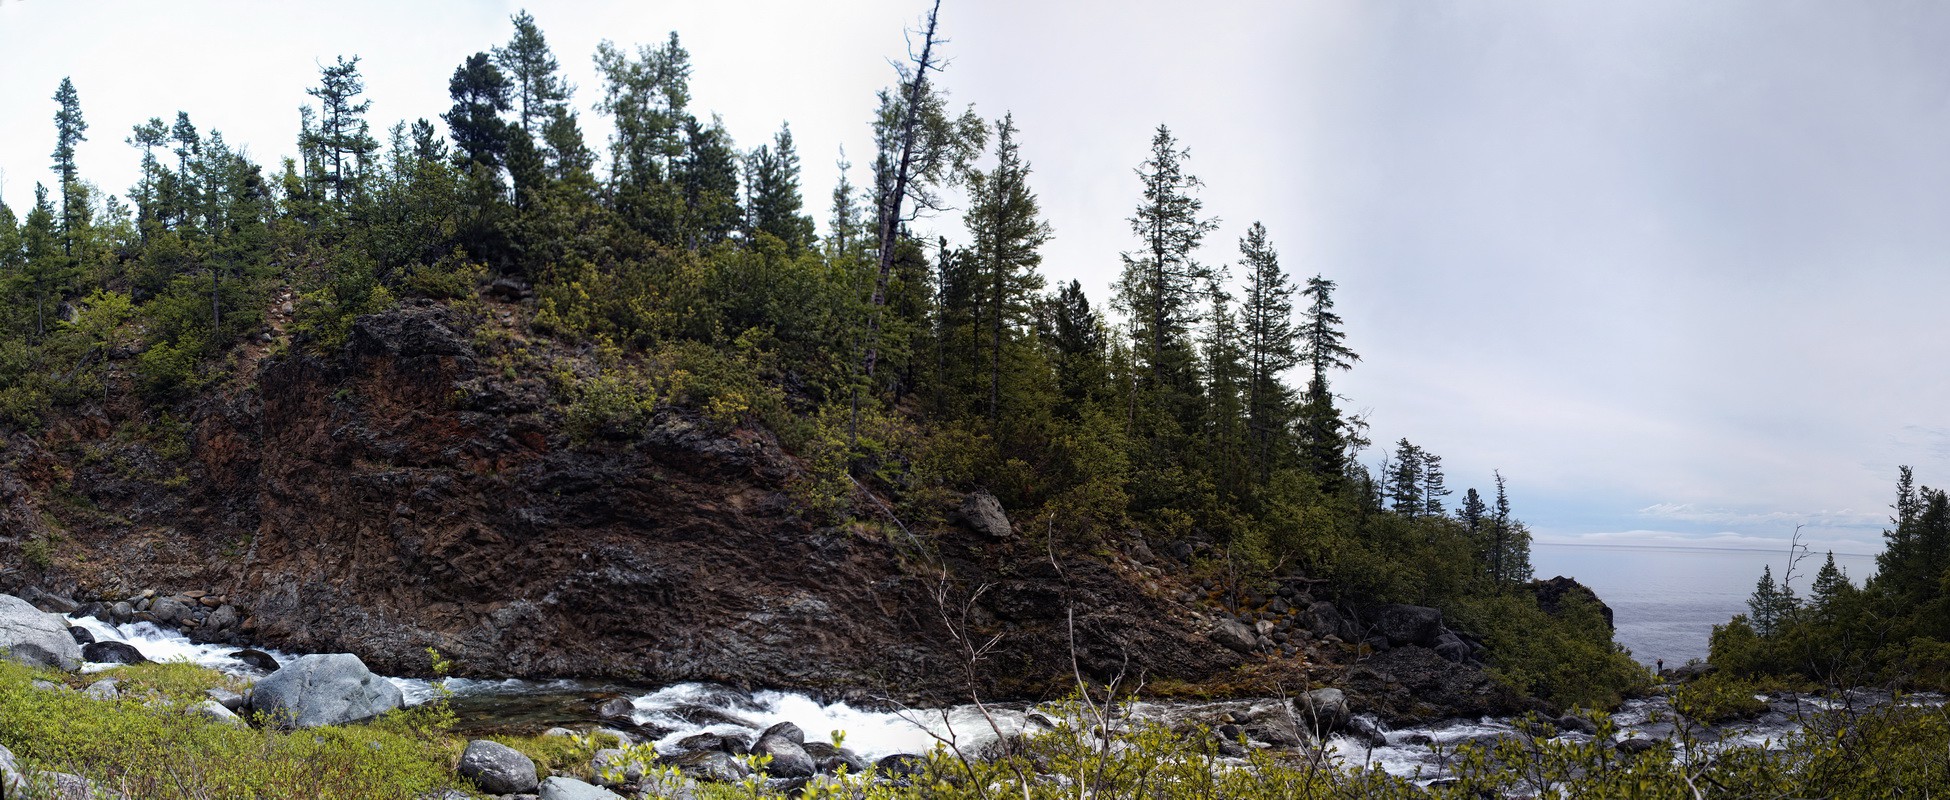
x=615, y=404
x=1717, y=698
x=1567, y=658
x=150, y=745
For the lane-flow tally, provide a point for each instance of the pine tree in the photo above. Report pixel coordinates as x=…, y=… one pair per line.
x=1770, y=605
x=480, y=94
x=647, y=96
x=1271, y=346
x=1006, y=225
x=1829, y=585
x=1472, y=511
x=69, y=130
x=341, y=140
x=708, y=179
x=539, y=92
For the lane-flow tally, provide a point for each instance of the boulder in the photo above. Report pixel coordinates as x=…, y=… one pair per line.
x=34, y=637
x=81, y=635
x=711, y=765
x=616, y=708
x=902, y=764
x=121, y=613
x=219, y=625
x=1573, y=723
x=560, y=788
x=170, y=611
x=104, y=689
x=712, y=741
x=784, y=743
x=830, y=759
x=326, y=689
x=215, y=711
x=113, y=652
x=1235, y=636
x=10, y=777
x=1635, y=745
x=1365, y=731
x=256, y=658
x=497, y=768
x=1451, y=647
x=613, y=767
x=48, y=601
x=982, y=512
x=226, y=698
x=1405, y=624
x=1323, y=710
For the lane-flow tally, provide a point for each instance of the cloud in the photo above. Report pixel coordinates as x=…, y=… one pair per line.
x=1721, y=540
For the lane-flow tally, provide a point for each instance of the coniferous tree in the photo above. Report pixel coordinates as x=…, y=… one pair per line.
x=480, y=94
x=46, y=268
x=340, y=138
x=539, y=92
x=1433, y=485
x=1075, y=336
x=1324, y=432
x=1271, y=346
x=147, y=137
x=1006, y=225
x=1472, y=511
x=708, y=180
x=69, y=130
x=1225, y=433
x=1161, y=281
x=918, y=147
x=772, y=202
x=1404, y=477
x=647, y=96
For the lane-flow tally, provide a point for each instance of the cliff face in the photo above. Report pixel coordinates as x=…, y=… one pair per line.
x=399, y=496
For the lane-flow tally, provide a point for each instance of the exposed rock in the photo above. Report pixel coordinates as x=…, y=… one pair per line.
x=48, y=601
x=560, y=788
x=327, y=689
x=712, y=741
x=225, y=697
x=711, y=765
x=1452, y=647
x=10, y=777
x=170, y=611
x=1576, y=724
x=219, y=626
x=901, y=764
x=104, y=689
x=121, y=613
x=216, y=711
x=81, y=635
x=1690, y=671
x=1365, y=731
x=1235, y=636
x=1635, y=745
x=982, y=512
x=830, y=759
x=34, y=637
x=616, y=708
x=783, y=742
x=113, y=652
x=1413, y=684
x=612, y=768
x=1552, y=593
x=256, y=658
x=1405, y=624
x=497, y=768
x=1324, y=619
x=1323, y=710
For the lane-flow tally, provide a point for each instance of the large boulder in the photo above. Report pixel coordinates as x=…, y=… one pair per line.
x=10, y=777
x=1405, y=624
x=112, y=652
x=1234, y=635
x=785, y=743
x=560, y=788
x=1324, y=711
x=497, y=768
x=34, y=637
x=984, y=513
x=326, y=689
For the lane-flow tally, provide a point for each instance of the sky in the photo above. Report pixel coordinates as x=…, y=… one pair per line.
x=1676, y=269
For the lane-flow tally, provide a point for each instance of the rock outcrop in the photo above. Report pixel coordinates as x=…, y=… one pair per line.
x=34, y=637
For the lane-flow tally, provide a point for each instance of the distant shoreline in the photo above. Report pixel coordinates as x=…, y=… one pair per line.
x=1682, y=548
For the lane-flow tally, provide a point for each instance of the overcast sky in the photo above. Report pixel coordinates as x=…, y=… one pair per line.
x=1678, y=269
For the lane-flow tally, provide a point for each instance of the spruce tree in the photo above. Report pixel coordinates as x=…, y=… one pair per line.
x=1433, y=488
x=1073, y=333
x=480, y=94
x=538, y=92
x=647, y=97
x=1324, y=433
x=1271, y=346
x=707, y=177
x=340, y=138
x=1404, y=479
x=772, y=202
x=1006, y=225
x=69, y=130
x=1161, y=282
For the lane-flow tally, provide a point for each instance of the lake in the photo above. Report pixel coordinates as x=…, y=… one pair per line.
x=1666, y=600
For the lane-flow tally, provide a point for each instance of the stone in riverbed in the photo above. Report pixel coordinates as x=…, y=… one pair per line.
x=170, y=611
x=34, y=637
x=616, y=708
x=711, y=765
x=560, y=788
x=112, y=652
x=324, y=689
x=1324, y=710
x=784, y=742
x=256, y=658
x=830, y=758
x=81, y=635
x=497, y=768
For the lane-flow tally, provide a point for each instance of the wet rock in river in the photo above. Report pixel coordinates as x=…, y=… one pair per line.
x=113, y=652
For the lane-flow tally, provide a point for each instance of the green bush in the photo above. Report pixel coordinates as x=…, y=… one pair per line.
x=614, y=404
